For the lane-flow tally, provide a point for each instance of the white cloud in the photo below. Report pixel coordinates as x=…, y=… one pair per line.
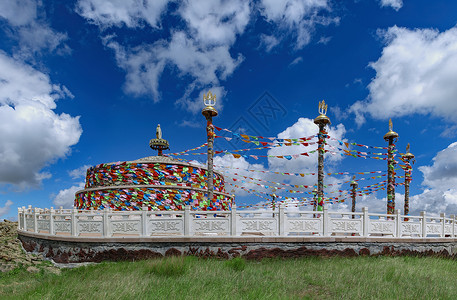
x=296, y=61
x=27, y=25
x=443, y=173
x=79, y=172
x=5, y=209
x=440, y=180
x=304, y=127
x=130, y=13
x=296, y=17
x=145, y=64
x=415, y=74
x=395, y=4
x=268, y=42
x=324, y=40
x=216, y=22
x=66, y=197
x=200, y=48
x=33, y=135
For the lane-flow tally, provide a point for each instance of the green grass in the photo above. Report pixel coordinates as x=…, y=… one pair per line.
x=191, y=278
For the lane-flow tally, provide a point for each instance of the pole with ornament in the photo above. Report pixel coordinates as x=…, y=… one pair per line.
x=209, y=112
x=322, y=120
x=406, y=158
x=391, y=137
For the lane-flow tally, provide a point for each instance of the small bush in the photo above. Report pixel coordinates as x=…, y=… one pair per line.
x=170, y=266
x=237, y=264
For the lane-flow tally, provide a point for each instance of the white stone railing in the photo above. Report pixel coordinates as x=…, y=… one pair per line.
x=234, y=223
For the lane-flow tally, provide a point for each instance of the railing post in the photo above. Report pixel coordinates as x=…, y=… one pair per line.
x=397, y=223
x=443, y=221
x=105, y=222
x=35, y=223
x=51, y=221
x=144, y=221
x=233, y=220
x=187, y=220
x=73, y=222
x=24, y=211
x=326, y=222
x=424, y=224
x=366, y=222
x=282, y=215
x=452, y=225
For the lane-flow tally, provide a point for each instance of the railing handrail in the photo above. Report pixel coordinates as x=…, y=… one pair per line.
x=187, y=222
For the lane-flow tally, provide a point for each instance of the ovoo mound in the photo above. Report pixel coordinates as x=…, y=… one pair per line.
x=157, y=182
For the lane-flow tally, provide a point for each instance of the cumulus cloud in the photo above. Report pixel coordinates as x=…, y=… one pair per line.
x=395, y=4
x=304, y=127
x=33, y=135
x=130, y=13
x=200, y=48
x=66, y=197
x=27, y=24
x=415, y=74
x=144, y=64
x=296, y=17
x=6, y=208
x=440, y=180
x=302, y=164
x=79, y=172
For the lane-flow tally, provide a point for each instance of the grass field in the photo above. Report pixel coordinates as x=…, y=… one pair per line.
x=192, y=278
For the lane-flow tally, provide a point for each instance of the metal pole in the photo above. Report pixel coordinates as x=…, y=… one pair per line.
x=390, y=136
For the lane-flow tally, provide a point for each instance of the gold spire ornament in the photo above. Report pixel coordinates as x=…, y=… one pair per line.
x=210, y=101
x=323, y=108
x=322, y=118
x=391, y=134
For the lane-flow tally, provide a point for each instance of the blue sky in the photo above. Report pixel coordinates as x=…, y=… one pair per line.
x=86, y=82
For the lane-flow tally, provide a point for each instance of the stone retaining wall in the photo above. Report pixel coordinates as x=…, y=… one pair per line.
x=71, y=250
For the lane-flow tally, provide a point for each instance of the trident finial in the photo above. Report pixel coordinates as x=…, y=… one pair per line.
x=323, y=108
x=407, y=148
x=391, y=126
x=209, y=99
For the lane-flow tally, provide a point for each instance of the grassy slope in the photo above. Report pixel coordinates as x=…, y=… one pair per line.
x=178, y=278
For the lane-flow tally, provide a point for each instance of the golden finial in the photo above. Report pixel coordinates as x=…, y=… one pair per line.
x=323, y=108
x=391, y=134
x=209, y=99
x=353, y=177
x=407, y=148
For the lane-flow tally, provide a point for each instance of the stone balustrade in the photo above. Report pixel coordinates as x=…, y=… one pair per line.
x=234, y=223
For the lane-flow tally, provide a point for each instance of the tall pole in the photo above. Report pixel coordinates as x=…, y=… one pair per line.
x=321, y=121
x=390, y=136
x=209, y=112
x=407, y=157
x=354, y=186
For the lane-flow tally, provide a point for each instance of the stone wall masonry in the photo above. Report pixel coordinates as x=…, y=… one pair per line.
x=93, y=250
